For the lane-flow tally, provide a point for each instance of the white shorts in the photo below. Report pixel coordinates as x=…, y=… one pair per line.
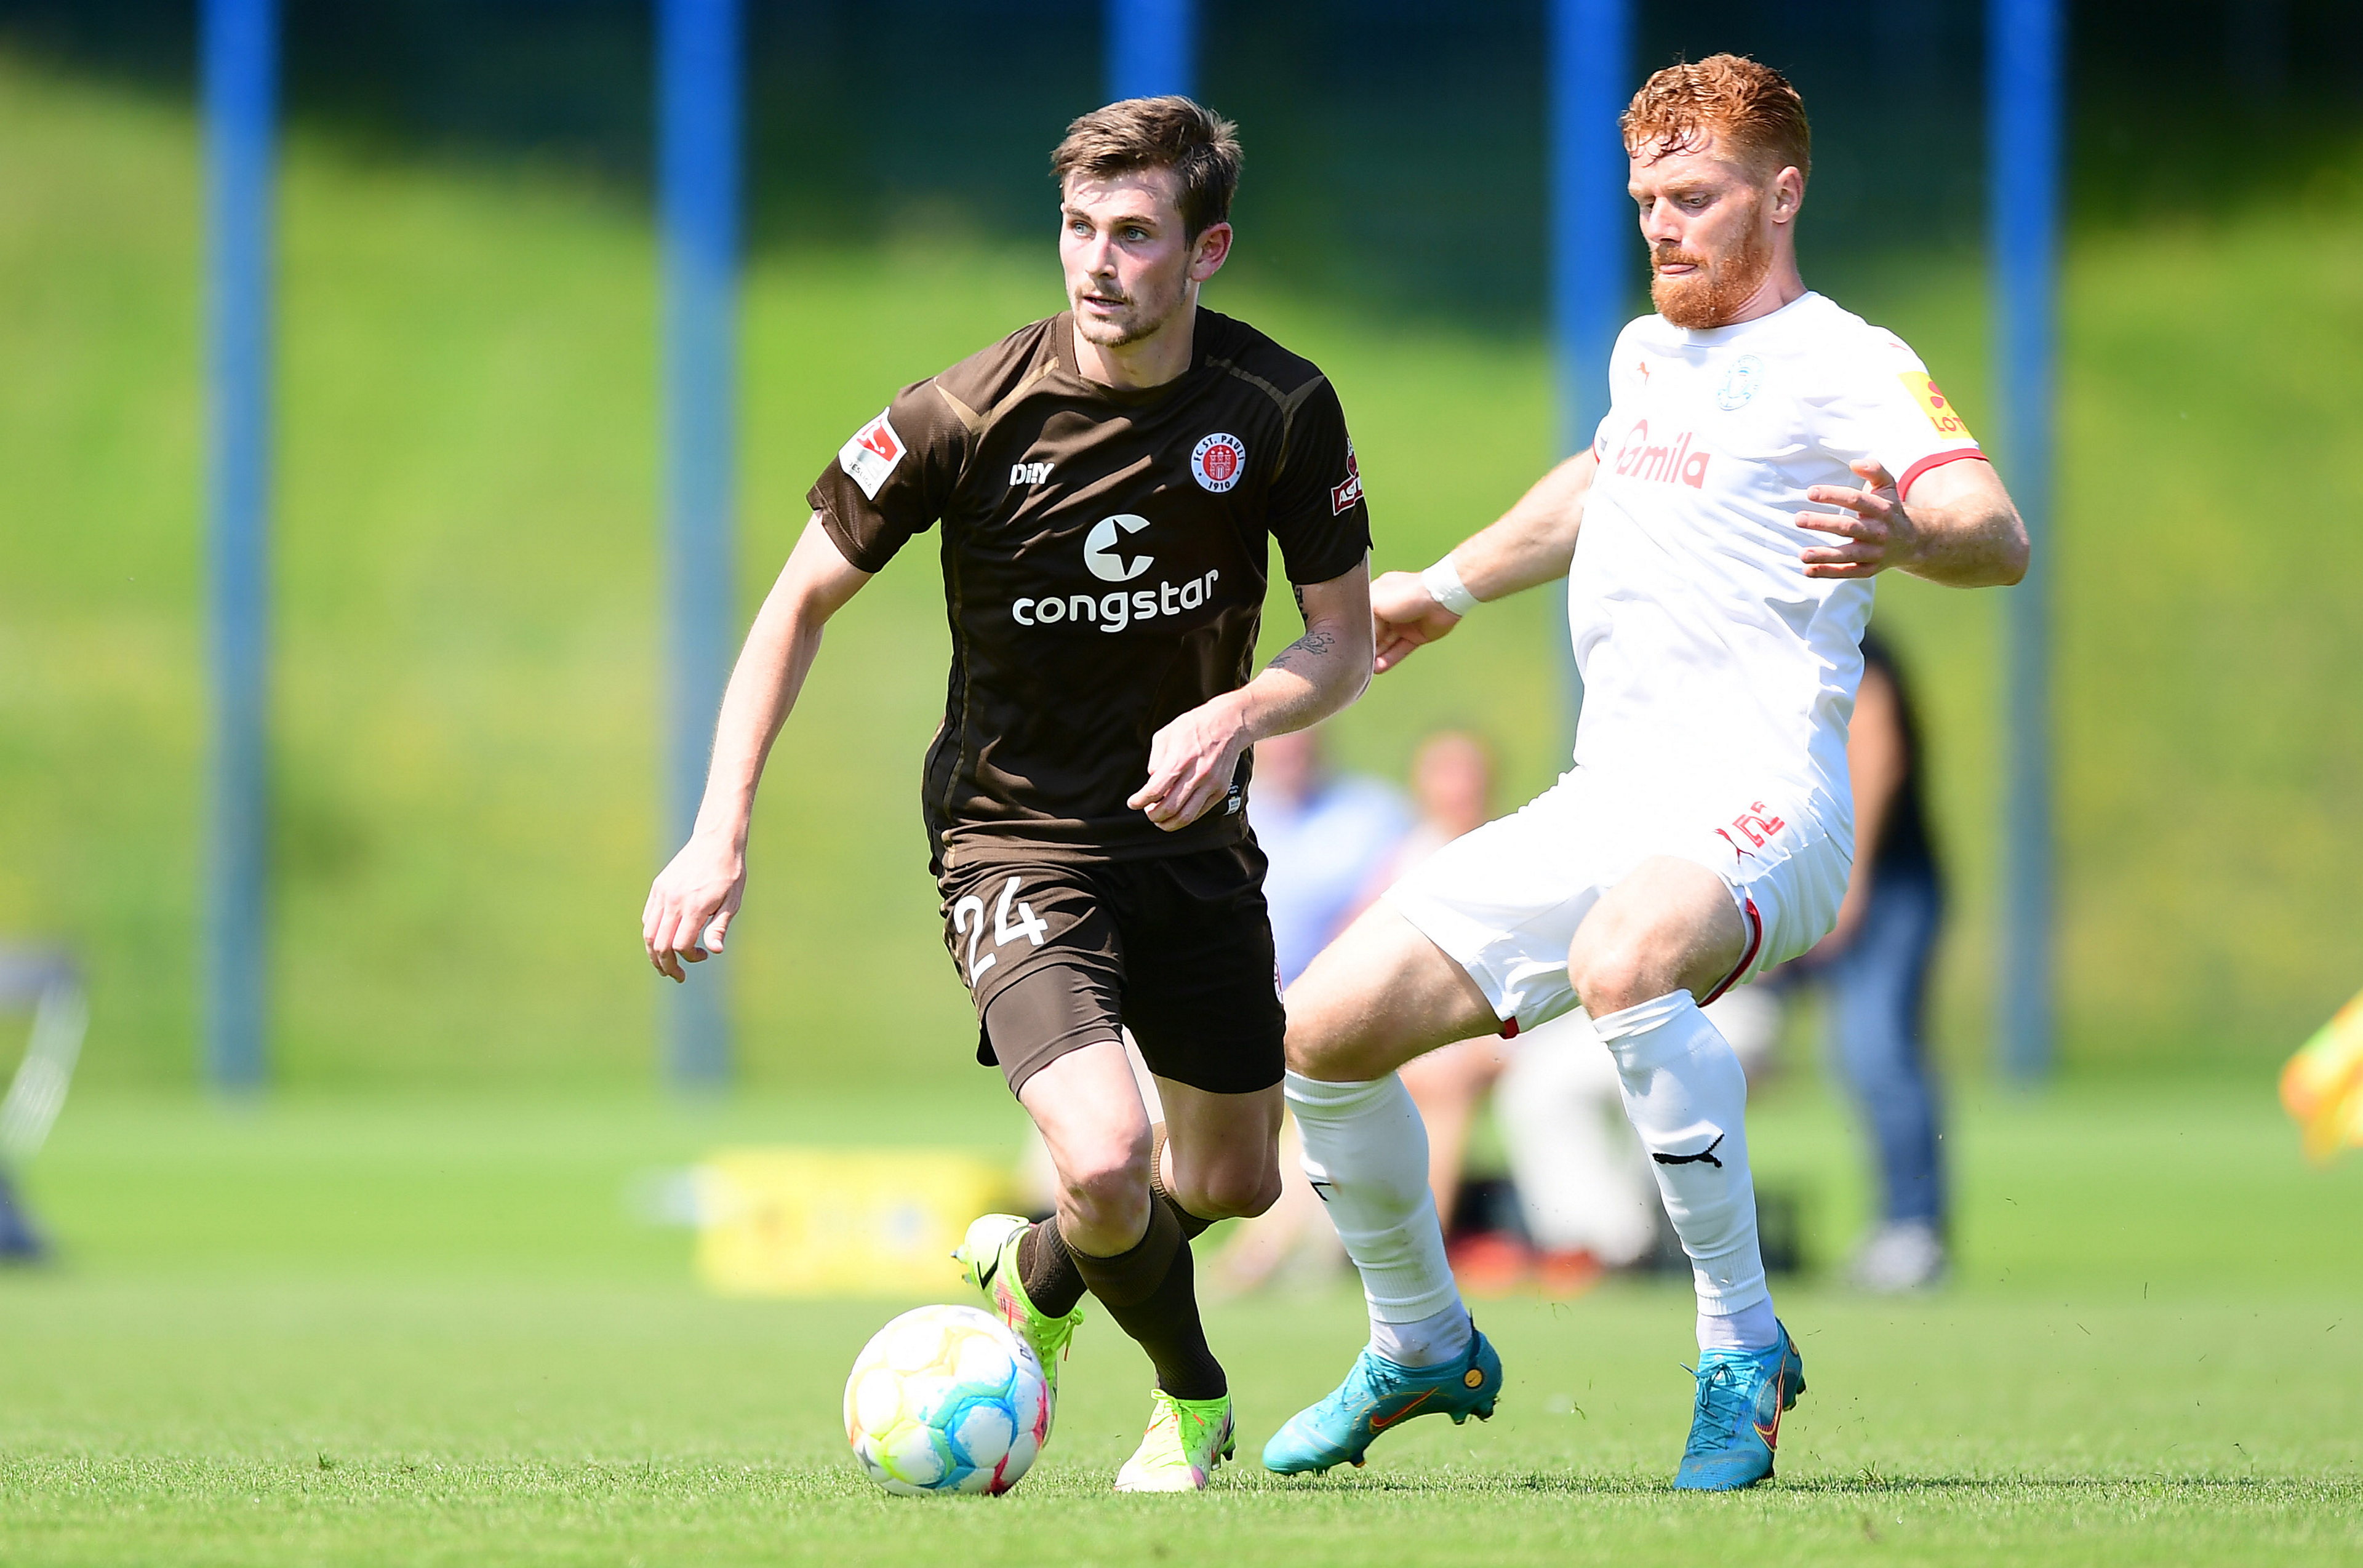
x=1504, y=902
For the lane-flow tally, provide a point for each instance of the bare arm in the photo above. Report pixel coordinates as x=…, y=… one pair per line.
x=1875, y=766
x=1532, y=542
x=1192, y=759
x=1959, y=527
x=698, y=892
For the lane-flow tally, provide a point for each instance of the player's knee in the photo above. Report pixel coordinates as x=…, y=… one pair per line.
x=1612, y=973
x=1240, y=1190
x=1107, y=1187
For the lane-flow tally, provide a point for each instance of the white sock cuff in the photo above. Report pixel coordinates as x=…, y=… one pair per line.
x=1319, y=1095
x=1643, y=1016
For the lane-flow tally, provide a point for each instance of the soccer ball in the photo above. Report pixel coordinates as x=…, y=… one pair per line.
x=947, y=1399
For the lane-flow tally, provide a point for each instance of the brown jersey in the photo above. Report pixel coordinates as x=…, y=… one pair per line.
x=1104, y=565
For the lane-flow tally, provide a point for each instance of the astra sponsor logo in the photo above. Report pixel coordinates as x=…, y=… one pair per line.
x=1671, y=463
x=1348, y=490
x=1114, y=612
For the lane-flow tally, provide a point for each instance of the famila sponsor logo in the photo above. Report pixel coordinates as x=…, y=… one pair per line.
x=1677, y=461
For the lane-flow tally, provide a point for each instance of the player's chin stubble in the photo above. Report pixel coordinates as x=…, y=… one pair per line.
x=1713, y=294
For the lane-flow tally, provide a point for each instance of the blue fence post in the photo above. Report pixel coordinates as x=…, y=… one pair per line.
x=1151, y=47
x=697, y=108
x=1593, y=238
x=2023, y=90
x=238, y=50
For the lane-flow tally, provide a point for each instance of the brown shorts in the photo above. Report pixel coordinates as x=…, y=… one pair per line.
x=1177, y=949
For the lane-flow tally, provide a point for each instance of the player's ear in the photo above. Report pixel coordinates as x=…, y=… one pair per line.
x=1209, y=251
x=1788, y=193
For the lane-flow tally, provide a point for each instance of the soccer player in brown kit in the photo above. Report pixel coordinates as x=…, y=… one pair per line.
x=1107, y=482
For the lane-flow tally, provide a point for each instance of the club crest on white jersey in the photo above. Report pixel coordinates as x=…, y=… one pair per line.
x=1219, y=463
x=1739, y=383
x=872, y=455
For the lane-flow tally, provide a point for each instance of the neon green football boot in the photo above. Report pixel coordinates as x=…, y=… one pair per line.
x=988, y=1258
x=1186, y=1438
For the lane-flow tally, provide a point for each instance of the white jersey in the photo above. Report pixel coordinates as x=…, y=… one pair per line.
x=1710, y=660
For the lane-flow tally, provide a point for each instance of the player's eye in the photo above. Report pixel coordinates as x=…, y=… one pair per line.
x=1136, y=234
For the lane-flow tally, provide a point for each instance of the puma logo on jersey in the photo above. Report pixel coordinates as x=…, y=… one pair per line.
x=1027, y=474
x=1671, y=463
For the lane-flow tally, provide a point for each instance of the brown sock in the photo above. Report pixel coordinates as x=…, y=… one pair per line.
x=1046, y=1270
x=1191, y=1226
x=1150, y=1292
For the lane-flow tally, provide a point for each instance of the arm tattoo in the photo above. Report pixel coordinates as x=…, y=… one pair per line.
x=1307, y=652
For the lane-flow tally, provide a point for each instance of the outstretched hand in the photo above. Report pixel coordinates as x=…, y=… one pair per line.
x=1877, y=533
x=1404, y=616
x=691, y=904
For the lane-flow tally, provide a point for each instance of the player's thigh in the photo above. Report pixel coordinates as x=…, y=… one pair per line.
x=1378, y=995
x=1087, y=1107
x=1670, y=925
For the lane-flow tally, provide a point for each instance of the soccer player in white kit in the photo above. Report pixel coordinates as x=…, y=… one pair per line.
x=1765, y=455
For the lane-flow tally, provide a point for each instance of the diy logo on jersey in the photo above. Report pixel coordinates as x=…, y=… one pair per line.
x=1673, y=462
x=1937, y=406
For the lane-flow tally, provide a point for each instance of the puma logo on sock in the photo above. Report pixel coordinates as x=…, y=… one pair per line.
x=1706, y=1154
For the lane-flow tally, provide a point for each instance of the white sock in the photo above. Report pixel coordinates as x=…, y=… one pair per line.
x=1431, y=1341
x=1749, y=1328
x=1687, y=1099
x=1366, y=1154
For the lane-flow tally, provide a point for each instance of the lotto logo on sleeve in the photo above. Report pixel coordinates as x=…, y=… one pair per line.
x=872, y=455
x=1937, y=406
x=1218, y=463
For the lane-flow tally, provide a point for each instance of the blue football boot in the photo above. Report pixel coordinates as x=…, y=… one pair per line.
x=1736, y=1424
x=1378, y=1394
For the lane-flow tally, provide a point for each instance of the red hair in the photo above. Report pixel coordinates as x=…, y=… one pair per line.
x=1750, y=106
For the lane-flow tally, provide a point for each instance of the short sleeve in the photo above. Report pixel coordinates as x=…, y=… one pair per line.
x=1887, y=408
x=892, y=478
x=1317, y=513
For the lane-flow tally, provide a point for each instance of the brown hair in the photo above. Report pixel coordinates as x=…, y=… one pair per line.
x=1752, y=105
x=1198, y=145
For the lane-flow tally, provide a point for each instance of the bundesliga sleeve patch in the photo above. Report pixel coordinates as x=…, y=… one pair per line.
x=1937, y=406
x=872, y=455
x=1349, y=491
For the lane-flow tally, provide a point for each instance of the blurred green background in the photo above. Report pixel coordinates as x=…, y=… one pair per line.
x=464, y=706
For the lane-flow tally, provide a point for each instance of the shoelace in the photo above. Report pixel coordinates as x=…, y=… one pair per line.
x=1722, y=1401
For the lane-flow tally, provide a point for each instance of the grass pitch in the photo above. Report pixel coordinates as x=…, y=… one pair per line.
x=333, y=1332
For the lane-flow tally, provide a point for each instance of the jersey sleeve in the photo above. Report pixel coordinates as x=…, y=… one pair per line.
x=1317, y=512
x=1883, y=406
x=892, y=478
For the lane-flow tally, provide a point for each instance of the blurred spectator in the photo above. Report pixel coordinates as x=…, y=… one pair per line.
x=1330, y=836
x=1874, y=969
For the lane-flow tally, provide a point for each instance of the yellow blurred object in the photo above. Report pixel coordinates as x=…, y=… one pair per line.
x=2322, y=1087
x=838, y=1222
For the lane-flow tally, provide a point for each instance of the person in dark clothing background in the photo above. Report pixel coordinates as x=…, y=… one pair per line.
x=1873, y=968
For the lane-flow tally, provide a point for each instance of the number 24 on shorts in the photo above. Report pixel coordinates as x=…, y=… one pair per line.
x=967, y=921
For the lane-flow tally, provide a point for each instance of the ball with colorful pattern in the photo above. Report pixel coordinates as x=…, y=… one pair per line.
x=947, y=1399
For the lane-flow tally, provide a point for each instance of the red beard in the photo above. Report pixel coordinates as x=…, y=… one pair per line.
x=1713, y=294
